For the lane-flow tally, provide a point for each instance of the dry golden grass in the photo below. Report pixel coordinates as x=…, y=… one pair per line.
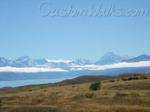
x=115, y=96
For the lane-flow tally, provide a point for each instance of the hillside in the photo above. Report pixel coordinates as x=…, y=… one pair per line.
x=125, y=93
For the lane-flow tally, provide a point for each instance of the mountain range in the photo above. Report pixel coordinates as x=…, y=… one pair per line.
x=107, y=59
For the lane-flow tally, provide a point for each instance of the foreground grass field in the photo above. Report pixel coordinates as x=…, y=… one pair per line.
x=119, y=94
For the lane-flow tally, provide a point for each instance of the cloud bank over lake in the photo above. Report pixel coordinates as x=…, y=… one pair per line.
x=31, y=69
x=74, y=67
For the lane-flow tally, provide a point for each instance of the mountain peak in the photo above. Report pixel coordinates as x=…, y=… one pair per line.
x=3, y=61
x=110, y=58
x=22, y=59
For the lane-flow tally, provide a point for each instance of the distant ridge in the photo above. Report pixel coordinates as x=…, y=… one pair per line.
x=143, y=57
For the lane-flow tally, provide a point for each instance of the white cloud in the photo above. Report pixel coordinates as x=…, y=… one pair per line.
x=31, y=69
x=58, y=61
x=117, y=65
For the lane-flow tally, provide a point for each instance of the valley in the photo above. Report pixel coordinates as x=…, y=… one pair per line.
x=123, y=93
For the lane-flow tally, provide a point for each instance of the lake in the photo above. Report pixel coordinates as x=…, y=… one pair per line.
x=18, y=83
x=22, y=79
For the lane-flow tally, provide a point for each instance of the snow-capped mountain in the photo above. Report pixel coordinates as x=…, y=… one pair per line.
x=108, y=61
x=4, y=61
x=23, y=62
x=39, y=62
x=143, y=57
x=110, y=58
x=82, y=62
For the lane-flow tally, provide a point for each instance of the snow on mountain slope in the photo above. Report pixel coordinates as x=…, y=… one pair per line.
x=108, y=61
x=110, y=58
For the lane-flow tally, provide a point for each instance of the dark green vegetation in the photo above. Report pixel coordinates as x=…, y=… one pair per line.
x=95, y=86
x=125, y=93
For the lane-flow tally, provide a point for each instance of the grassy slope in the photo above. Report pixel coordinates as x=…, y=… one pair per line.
x=116, y=95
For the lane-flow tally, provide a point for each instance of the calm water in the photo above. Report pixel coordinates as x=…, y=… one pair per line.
x=22, y=79
x=18, y=83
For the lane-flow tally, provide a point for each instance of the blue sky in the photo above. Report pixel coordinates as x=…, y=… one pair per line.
x=25, y=31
